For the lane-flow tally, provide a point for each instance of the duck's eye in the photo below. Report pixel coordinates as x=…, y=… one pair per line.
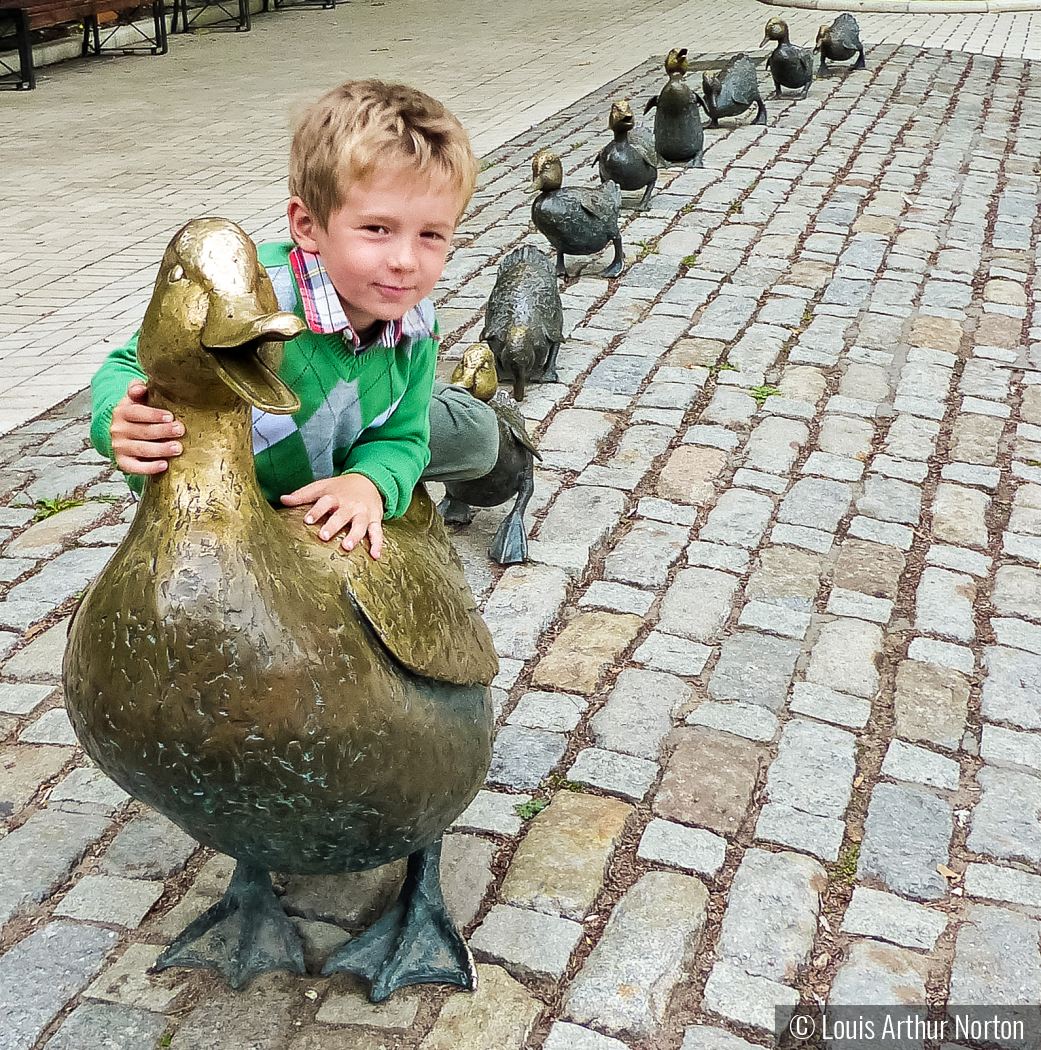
x=177, y=274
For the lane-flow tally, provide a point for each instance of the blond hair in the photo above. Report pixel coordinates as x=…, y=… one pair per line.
x=365, y=124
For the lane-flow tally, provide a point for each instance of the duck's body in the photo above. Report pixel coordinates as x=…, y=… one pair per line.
x=575, y=221
x=513, y=473
x=790, y=67
x=840, y=42
x=678, y=134
x=285, y=702
x=730, y=92
x=630, y=159
x=524, y=319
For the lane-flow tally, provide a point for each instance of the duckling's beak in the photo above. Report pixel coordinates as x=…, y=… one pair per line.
x=241, y=344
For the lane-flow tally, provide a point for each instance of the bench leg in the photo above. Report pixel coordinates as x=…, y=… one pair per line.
x=27, y=70
x=245, y=18
x=162, y=45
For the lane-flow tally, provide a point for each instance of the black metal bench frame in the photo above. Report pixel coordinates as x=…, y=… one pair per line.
x=96, y=37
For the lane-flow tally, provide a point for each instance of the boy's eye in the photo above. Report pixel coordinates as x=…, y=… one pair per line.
x=376, y=229
x=433, y=235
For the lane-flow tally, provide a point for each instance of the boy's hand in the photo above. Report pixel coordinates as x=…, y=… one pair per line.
x=351, y=501
x=143, y=437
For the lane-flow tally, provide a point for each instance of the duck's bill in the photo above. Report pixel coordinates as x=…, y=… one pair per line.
x=244, y=371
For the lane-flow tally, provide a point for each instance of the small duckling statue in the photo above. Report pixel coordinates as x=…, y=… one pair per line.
x=839, y=42
x=303, y=709
x=513, y=473
x=630, y=160
x=524, y=319
x=678, y=134
x=730, y=92
x=790, y=66
x=575, y=221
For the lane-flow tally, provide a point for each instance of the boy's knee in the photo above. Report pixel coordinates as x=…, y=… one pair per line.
x=464, y=436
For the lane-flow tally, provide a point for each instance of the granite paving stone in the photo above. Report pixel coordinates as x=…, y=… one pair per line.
x=788, y=826
x=845, y=656
x=1011, y=748
x=774, y=445
x=613, y=772
x=785, y=576
x=815, y=503
x=522, y=758
x=42, y=973
x=931, y=703
x=692, y=849
x=1017, y=634
x=106, y=898
x=814, y=768
x=689, y=475
x=355, y=1009
x=40, y=660
x=1012, y=687
x=21, y=698
x=566, y=1036
x=1004, y=821
x=709, y=779
x=638, y=713
x=917, y=765
x=111, y=1026
x=560, y=865
x=959, y=516
x=88, y=790
x=739, y=519
x=906, y=834
x=886, y=917
x=879, y=974
x=492, y=812
x=754, y=668
x=943, y=654
x=1017, y=592
x=888, y=499
x=23, y=770
x=644, y=555
x=958, y=559
x=697, y=604
x=996, y=956
x=624, y=987
x=52, y=727
x=945, y=604
x=259, y=1018
x=527, y=943
x=129, y=982
x=829, y=705
x=703, y=1037
x=734, y=993
x=590, y=644
x=718, y=556
x=524, y=603
x=555, y=712
x=741, y=719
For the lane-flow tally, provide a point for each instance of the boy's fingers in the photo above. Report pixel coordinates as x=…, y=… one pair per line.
x=137, y=391
x=148, y=451
x=137, y=413
x=375, y=539
x=129, y=465
x=354, y=534
x=308, y=494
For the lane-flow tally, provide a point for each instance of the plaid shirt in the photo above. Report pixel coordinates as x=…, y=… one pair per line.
x=323, y=311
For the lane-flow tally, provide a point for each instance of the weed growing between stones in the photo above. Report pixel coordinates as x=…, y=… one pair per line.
x=47, y=508
x=761, y=393
x=846, y=867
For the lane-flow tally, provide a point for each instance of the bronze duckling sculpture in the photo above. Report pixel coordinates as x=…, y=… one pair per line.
x=524, y=319
x=575, y=221
x=303, y=709
x=513, y=473
x=630, y=159
x=730, y=92
x=678, y=134
x=790, y=66
x=839, y=42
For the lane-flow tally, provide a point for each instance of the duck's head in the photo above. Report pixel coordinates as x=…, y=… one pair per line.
x=621, y=118
x=776, y=29
x=476, y=372
x=547, y=173
x=711, y=84
x=676, y=62
x=824, y=33
x=213, y=332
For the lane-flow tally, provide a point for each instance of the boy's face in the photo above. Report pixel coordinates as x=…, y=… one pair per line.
x=384, y=250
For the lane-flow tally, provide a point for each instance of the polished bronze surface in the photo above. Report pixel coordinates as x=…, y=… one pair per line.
x=575, y=221
x=513, y=473
x=299, y=707
x=678, y=134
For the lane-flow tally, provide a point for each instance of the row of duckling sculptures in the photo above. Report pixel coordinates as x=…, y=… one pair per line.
x=583, y=221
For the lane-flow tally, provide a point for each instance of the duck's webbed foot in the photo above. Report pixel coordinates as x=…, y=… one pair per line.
x=246, y=933
x=455, y=511
x=415, y=942
x=510, y=546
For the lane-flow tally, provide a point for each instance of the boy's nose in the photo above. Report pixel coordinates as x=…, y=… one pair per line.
x=403, y=254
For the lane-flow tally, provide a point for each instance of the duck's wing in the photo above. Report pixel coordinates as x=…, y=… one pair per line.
x=846, y=31
x=603, y=203
x=642, y=140
x=506, y=407
x=742, y=82
x=418, y=602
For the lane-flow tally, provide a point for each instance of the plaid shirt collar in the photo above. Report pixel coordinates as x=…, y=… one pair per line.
x=322, y=308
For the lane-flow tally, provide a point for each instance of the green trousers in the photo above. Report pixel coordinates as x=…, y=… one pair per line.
x=464, y=436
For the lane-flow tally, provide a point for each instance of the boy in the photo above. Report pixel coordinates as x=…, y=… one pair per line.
x=378, y=178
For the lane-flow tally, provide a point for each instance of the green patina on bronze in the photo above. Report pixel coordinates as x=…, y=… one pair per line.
x=679, y=137
x=299, y=707
x=732, y=90
x=630, y=159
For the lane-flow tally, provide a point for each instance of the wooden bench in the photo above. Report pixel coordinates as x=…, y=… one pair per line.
x=98, y=17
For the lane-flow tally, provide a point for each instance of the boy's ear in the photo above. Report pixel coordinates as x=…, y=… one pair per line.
x=301, y=225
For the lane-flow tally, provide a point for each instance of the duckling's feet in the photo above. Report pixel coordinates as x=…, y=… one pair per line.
x=415, y=942
x=246, y=933
x=455, y=511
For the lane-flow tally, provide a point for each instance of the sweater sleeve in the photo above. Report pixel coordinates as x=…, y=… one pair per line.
x=393, y=453
x=107, y=388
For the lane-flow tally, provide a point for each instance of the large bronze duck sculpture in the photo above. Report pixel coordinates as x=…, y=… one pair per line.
x=630, y=159
x=839, y=42
x=732, y=90
x=524, y=319
x=514, y=470
x=790, y=66
x=575, y=221
x=303, y=709
x=678, y=134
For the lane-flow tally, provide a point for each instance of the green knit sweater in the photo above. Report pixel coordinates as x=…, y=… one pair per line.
x=366, y=413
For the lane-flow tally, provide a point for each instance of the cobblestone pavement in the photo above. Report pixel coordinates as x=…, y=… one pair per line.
x=770, y=696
